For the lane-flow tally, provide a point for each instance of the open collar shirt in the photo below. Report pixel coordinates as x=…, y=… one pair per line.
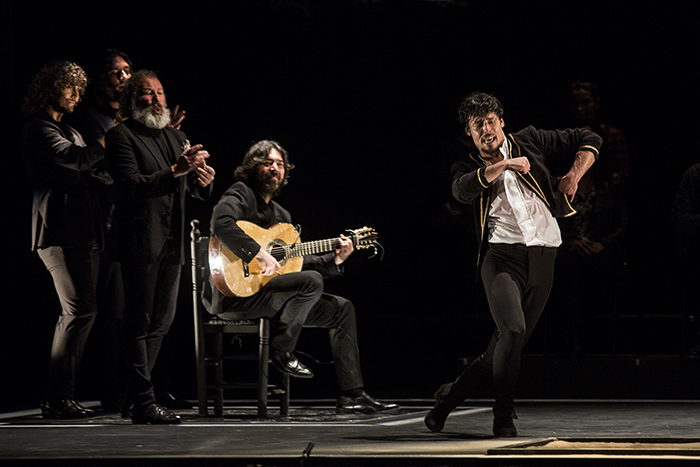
x=517, y=215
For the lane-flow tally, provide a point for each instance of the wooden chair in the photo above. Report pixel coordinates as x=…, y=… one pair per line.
x=209, y=344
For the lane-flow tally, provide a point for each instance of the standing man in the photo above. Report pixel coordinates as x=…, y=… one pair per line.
x=515, y=200
x=93, y=119
x=295, y=299
x=153, y=166
x=95, y=116
x=98, y=114
x=65, y=221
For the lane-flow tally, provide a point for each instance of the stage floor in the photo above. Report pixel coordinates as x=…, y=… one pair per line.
x=573, y=432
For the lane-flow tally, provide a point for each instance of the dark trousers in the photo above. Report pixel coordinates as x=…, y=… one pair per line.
x=297, y=300
x=150, y=291
x=74, y=272
x=517, y=280
x=107, y=335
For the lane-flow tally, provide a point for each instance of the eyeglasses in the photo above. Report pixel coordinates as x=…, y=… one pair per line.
x=118, y=73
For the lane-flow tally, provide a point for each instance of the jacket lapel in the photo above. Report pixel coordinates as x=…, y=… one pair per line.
x=152, y=147
x=174, y=145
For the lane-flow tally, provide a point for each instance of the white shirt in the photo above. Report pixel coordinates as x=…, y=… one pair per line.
x=517, y=215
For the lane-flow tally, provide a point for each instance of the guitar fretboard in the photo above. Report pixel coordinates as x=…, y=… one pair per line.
x=306, y=248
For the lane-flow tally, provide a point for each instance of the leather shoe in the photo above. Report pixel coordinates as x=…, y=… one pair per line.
x=504, y=427
x=362, y=404
x=288, y=363
x=154, y=414
x=171, y=402
x=65, y=409
x=437, y=416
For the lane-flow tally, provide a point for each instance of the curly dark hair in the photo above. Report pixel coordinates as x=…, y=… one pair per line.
x=478, y=104
x=256, y=155
x=47, y=85
x=129, y=91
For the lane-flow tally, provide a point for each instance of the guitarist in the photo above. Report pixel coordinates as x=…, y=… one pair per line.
x=295, y=299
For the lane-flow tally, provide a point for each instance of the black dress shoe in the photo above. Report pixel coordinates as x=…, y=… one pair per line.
x=437, y=416
x=171, y=402
x=362, y=404
x=65, y=409
x=503, y=426
x=287, y=362
x=154, y=414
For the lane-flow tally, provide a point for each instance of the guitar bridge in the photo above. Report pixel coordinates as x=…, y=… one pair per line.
x=245, y=270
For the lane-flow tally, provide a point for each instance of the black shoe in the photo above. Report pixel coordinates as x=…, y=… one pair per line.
x=171, y=402
x=287, y=363
x=154, y=414
x=503, y=426
x=437, y=416
x=362, y=404
x=65, y=409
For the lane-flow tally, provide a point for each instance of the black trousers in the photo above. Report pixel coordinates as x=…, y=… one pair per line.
x=150, y=291
x=297, y=301
x=517, y=280
x=107, y=333
x=74, y=272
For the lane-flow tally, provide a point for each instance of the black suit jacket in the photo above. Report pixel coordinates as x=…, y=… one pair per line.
x=150, y=199
x=62, y=169
x=542, y=148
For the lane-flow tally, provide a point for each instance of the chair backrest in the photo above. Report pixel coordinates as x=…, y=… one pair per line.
x=201, y=286
x=203, y=290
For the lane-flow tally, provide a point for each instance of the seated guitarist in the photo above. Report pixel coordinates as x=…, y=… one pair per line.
x=295, y=299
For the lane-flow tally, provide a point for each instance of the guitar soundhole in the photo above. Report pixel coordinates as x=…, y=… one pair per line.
x=277, y=252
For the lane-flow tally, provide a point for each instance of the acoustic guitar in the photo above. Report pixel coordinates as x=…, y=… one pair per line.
x=237, y=278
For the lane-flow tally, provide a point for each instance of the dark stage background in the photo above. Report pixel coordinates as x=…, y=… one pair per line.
x=363, y=94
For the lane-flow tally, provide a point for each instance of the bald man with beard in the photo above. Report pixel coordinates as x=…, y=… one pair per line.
x=154, y=167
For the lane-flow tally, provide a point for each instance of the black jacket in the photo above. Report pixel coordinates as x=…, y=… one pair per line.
x=150, y=200
x=469, y=184
x=62, y=170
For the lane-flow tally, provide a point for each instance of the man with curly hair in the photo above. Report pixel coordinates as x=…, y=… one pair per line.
x=65, y=220
x=515, y=200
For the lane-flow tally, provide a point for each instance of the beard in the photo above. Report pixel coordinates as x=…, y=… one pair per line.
x=146, y=117
x=268, y=186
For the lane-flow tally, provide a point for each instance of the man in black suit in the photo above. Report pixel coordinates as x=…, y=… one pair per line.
x=65, y=221
x=153, y=166
x=95, y=116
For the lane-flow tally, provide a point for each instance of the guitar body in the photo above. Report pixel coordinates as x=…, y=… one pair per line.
x=236, y=278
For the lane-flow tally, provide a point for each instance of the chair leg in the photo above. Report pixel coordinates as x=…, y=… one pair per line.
x=218, y=376
x=263, y=366
x=201, y=378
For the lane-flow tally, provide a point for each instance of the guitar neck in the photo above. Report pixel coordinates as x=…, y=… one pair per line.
x=310, y=248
